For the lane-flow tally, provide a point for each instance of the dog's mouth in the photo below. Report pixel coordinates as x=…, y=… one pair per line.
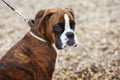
x=70, y=43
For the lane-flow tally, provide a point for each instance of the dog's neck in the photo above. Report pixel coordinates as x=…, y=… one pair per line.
x=34, y=33
x=39, y=38
x=36, y=44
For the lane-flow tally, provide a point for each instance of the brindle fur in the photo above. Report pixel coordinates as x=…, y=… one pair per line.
x=34, y=63
x=30, y=58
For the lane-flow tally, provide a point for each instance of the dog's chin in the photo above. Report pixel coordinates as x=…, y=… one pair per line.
x=68, y=44
x=71, y=45
x=59, y=47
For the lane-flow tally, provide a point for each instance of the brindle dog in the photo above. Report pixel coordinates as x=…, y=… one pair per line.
x=31, y=58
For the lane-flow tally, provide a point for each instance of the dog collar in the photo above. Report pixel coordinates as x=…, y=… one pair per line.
x=39, y=38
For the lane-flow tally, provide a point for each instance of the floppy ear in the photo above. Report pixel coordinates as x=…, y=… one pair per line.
x=41, y=17
x=71, y=11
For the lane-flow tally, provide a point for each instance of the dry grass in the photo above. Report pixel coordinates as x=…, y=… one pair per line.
x=97, y=56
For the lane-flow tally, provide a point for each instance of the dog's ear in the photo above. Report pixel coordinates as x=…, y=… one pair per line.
x=41, y=17
x=71, y=11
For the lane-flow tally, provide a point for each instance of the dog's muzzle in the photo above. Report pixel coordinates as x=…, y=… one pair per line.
x=70, y=36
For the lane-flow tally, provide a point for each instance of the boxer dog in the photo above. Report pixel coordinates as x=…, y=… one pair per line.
x=34, y=57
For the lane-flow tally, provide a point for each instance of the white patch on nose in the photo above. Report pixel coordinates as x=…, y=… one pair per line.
x=63, y=37
x=67, y=26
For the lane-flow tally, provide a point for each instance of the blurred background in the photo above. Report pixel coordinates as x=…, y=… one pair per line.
x=97, y=56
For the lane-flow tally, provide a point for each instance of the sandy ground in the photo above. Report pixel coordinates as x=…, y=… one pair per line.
x=97, y=56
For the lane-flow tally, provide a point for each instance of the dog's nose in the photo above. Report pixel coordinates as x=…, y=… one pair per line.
x=70, y=35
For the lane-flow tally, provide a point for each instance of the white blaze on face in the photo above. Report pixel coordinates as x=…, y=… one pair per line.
x=63, y=37
x=67, y=26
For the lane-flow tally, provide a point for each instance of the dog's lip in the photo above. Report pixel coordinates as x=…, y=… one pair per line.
x=70, y=43
x=58, y=47
x=75, y=45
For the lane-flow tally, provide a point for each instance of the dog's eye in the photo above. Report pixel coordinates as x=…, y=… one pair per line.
x=72, y=25
x=58, y=28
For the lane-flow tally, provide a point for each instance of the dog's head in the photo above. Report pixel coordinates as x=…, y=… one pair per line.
x=57, y=26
